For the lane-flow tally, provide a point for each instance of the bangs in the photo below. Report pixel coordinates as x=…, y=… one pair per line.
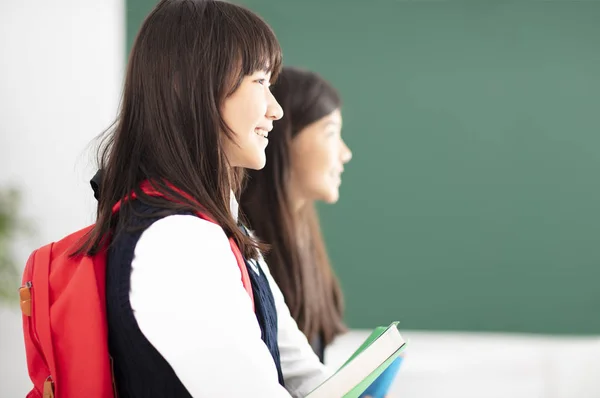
x=252, y=44
x=262, y=54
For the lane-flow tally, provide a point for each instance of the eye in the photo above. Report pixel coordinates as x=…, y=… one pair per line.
x=263, y=82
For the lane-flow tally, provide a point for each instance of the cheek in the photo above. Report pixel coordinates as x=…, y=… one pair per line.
x=246, y=113
x=329, y=156
x=322, y=168
x=257, y=105
x=314, y=167
x=248, y=116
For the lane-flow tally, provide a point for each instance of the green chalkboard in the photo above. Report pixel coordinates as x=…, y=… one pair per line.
x=473, y=199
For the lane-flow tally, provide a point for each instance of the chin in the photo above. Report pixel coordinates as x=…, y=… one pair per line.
x=256, y=164
x=331, y=197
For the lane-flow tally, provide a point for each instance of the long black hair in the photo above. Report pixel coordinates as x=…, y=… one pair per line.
x=188, y=56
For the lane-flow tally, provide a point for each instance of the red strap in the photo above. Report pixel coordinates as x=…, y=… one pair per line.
x=148, y=189
x=42, y=299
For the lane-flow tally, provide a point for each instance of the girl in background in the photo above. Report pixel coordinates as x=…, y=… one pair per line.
x=306, y=157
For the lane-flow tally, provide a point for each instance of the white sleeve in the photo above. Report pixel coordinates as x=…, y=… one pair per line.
x=190, y=303
x=301, y=368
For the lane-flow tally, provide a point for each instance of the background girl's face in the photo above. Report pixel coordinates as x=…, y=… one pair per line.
x=318, y=155
x=249, y=112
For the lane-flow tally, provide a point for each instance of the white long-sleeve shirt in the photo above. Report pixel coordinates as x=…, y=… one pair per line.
x=189, y=302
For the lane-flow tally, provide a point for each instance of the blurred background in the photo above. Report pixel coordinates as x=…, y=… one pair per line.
x=470, y=211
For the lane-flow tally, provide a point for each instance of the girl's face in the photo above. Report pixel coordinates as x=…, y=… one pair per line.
x=249, y=112
x=318, y=155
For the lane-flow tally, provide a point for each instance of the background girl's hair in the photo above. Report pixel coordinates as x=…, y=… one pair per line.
x=188, y=56
x=298, y=259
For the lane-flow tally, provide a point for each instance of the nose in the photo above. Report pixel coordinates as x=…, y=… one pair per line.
x=274, y=110
x=346, y=153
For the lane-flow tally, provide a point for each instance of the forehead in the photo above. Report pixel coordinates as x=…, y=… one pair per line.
x=327, y=122
x=333, y=119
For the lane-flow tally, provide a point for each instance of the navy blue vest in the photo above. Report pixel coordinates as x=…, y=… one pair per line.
x=140, y=370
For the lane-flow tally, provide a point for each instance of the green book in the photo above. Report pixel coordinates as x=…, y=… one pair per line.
x=363, y=367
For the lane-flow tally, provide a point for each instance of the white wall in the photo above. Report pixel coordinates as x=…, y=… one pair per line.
x=61, y=66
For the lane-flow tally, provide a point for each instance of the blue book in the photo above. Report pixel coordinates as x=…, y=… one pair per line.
x=368, y=363
x=382, y=384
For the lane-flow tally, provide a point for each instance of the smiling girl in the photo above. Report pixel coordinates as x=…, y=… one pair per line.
x=197, y=110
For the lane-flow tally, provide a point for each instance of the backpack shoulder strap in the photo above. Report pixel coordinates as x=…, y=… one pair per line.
x=41, y=281
x=147, y=188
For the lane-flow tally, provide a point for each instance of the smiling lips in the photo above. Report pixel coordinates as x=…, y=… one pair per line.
x=263, y=132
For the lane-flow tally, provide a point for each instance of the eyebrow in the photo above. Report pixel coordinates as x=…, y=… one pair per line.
x=332, y=123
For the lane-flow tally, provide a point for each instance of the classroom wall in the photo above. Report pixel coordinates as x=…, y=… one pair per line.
x=61, y=68
x=472, y=200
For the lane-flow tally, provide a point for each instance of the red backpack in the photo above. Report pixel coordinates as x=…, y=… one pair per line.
x=64, y=318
